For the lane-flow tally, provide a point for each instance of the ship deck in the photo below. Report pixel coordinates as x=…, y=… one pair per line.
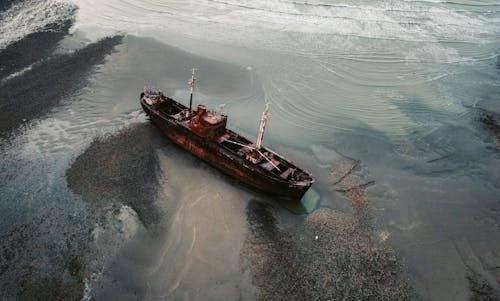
x=263, y=161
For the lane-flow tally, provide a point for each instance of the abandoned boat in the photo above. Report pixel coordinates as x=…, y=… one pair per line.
x=204, y=134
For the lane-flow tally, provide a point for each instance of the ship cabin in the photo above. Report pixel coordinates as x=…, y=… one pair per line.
x=208, y=124
x=205, y=124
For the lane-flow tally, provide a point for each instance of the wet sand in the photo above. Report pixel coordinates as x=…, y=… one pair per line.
x=56, y=251
x=325, y=255
x=45, y=258
x=270, y=252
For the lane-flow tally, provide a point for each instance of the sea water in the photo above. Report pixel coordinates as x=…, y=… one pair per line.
x=382, y=95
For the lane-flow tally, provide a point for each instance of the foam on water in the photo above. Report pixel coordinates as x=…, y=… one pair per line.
x=243, y=22
x=16, y=74
x=30, y=16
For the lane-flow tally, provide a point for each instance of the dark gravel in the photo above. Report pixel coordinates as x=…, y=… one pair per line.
x=120, y=168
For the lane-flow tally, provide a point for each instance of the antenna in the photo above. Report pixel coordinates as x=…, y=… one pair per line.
x=192, y=83
x=263, y=121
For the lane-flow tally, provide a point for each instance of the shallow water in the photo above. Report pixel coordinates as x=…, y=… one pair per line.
x=387, y=95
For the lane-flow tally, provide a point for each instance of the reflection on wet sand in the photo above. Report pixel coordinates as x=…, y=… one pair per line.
x=199, y=255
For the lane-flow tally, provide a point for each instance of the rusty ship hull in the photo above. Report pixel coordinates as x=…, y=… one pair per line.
x=225, y=149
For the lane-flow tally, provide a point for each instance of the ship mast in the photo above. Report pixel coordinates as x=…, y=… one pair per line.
x=263, y=121
x=192, y=83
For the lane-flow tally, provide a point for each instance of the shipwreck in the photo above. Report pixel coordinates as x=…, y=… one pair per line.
x=203, y=133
